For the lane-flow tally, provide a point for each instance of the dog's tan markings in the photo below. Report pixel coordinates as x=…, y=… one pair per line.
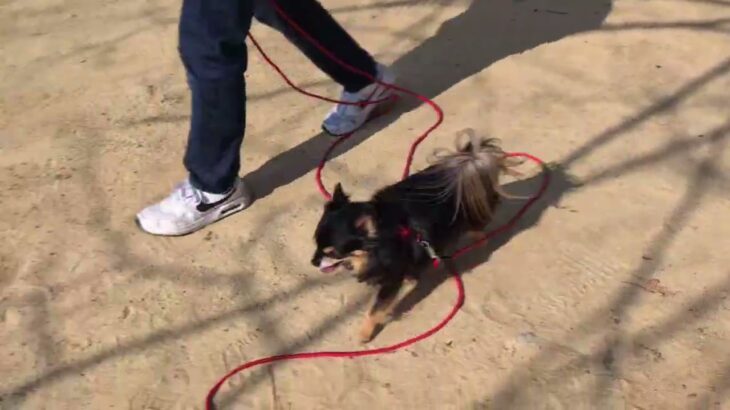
x=328, y=250
x=367, y=224
x=381, y=311
x=359, y=261
x=368, y=328
x=474, y=236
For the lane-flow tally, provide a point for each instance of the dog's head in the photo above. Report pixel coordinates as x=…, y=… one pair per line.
x=343, y=234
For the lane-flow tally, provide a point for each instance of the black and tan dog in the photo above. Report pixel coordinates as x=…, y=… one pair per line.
x=394, y=236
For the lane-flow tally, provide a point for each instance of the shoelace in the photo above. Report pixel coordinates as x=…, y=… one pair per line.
x=348, y=109
x=189, y=193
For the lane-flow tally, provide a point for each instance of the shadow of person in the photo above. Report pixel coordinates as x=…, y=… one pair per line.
x=560, y=183
x=486, y=32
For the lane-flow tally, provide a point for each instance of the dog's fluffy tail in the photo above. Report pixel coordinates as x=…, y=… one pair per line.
x=471, y=175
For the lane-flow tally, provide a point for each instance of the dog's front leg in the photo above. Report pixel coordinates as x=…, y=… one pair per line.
x=381, y=310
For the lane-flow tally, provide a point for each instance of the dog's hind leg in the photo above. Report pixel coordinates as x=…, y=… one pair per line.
x=474, y=235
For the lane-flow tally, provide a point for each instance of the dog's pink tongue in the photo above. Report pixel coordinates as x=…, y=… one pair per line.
x=327, y=266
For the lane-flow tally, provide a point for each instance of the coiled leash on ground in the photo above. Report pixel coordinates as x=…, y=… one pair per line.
x=209, y=404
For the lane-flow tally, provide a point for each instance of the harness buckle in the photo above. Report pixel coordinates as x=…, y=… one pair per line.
x=429, y=249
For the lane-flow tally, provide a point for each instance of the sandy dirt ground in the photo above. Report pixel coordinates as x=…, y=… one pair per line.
x=613, y=293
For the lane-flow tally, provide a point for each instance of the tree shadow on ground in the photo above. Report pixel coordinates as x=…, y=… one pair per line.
x=550, y=370
x=560, y=184
x=486, y=32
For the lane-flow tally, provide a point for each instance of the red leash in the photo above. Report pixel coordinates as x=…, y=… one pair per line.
x=209, y=404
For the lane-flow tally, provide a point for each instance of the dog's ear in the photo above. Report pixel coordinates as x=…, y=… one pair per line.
x=366, y=223
x=339, y=196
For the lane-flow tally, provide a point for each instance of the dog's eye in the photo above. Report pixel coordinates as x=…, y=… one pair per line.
x=350, y=246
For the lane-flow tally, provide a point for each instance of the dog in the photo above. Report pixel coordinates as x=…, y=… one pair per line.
x=393, y=237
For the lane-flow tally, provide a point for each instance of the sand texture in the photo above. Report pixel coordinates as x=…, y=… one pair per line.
x=613, y=292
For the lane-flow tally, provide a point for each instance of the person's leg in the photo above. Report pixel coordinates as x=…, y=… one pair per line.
x=213, y=50
x=311, y=17
x=318, y=23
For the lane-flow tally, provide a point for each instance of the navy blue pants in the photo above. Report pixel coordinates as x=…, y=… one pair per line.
x=213, y=50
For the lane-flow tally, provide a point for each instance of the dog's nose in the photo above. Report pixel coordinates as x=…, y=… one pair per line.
x=316, y=260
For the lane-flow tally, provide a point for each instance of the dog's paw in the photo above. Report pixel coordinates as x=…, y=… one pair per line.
x=370, y=328
x=367, y=331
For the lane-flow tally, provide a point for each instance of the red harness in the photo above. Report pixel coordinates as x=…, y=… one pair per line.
x=406, y=233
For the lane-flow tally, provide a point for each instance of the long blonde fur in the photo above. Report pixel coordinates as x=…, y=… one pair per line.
x=472, y=174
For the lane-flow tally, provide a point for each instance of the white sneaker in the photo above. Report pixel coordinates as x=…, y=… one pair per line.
x=344, y=118
x=188, y=209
